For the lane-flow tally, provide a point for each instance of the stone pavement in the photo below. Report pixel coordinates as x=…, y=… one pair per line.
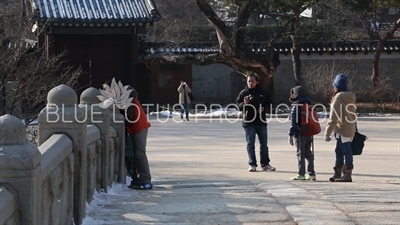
x=199, y=171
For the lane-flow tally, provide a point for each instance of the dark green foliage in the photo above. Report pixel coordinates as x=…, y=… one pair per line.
x=370, y=5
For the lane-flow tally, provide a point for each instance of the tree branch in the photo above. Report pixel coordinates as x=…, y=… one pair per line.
x=216, y=22
x=235, y=54
x=239, y=31
x=280, y=33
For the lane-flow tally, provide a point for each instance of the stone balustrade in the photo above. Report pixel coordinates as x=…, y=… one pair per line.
x=81, y=151
x=9, y=213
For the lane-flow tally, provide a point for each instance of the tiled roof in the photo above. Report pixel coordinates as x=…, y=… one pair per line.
x=154, y=49
x=96, y=12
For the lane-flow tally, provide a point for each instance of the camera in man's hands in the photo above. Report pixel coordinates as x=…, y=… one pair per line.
x=253, y=99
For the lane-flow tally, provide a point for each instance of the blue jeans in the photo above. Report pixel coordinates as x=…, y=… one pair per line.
x=261, y=131
x=185, y=108
x=344, y=153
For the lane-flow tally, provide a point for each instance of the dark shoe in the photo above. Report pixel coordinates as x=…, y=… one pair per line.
x=347, y=170
x=338, y=172
x=132, y=185
x=143, y=186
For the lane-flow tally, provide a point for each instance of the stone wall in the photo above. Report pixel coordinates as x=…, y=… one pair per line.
x=81, y=151
x=217, y=84
x=212, y=83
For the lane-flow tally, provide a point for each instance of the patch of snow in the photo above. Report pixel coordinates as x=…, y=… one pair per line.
x=102, y=198
x=33, y=122
x=378, y=114
x=230, y=112
x=282, y=110
x=166, y=113
x=323, y=114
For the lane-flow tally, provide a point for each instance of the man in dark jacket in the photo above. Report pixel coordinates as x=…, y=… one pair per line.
x=254, y=101
x=303, y=143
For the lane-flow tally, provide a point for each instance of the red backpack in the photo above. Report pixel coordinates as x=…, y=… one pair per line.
x=309, y=121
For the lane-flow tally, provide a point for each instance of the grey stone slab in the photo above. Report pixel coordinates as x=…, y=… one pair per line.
x=199, y=169
x=198, y=204
x=378, y=217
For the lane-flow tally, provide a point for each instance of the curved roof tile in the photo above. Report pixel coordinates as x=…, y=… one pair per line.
x=125, y=12
x=154, y=49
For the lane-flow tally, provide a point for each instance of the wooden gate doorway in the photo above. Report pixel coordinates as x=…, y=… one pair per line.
x=101, y=57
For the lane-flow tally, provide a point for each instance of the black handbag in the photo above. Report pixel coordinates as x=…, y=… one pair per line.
x=357, y=144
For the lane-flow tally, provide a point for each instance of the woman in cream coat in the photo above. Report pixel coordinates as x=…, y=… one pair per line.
x=342, y=121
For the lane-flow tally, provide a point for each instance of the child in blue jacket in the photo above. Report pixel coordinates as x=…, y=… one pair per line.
x=302, y=143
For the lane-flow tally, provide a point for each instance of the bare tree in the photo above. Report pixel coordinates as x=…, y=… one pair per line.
x=181, y=22
x=318, y=77
x=233, y=50
x=385, y=91
x=26, y=76
x=370, y=16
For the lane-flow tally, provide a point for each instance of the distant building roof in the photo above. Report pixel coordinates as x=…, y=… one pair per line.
x=154, y=50
x=95, y=13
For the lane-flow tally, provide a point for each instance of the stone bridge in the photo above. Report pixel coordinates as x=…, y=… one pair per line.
x=81, y=149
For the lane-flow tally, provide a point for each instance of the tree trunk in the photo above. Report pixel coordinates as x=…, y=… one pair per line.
x=296, y=52
x=382, y=41
x=296, y=61
x=3, y=97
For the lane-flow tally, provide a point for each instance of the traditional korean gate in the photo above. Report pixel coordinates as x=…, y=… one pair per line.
x=101, y=57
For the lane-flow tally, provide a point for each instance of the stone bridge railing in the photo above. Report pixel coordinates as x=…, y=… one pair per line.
x=80, y=151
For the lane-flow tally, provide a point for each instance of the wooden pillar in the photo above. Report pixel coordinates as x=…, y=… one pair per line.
x=49, y=42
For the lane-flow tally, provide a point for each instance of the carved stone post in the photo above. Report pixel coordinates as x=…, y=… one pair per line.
x=62, y=115
x=98, y=116
x=20, y=167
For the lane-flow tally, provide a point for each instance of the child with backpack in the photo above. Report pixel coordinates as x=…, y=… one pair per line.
x=304, y=124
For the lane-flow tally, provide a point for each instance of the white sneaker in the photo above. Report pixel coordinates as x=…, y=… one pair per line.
x=252, y=169
x=268, y=168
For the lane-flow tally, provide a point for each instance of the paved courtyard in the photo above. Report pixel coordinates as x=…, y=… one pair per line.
x=199, y=170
